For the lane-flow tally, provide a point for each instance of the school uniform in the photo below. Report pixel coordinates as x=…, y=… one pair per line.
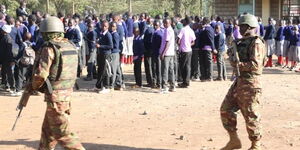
x=294, y=50
x=103, y=59
x=195, y=64
x=279, y=44
x=73, y=35
x=115, y=57
x=148, y=54
x=206, y=46
x=7, y=58
x=156, y=62
x=186, y=37
x=129, y=39
x=287, y=32
x=167, y=51
x=220, y=47
x=138, y=53
x=91, y=37
x=269, y=38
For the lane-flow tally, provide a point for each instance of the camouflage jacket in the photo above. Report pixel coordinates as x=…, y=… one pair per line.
x=46, y=66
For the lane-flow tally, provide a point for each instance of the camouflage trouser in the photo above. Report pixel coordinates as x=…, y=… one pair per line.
x=56, y=128
x=246, y=100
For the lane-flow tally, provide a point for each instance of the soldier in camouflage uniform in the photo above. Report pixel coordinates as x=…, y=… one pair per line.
x=246, y=89
x=55, y=64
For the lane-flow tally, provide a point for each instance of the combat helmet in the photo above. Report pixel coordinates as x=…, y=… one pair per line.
x=52, y=24
x=248, y=19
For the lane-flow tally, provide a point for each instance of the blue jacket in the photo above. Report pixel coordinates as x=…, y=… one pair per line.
x=147, y=41
x=125, y=29
x=91, y=37
x=120, y=31
x=261, y=29
x=129, y=25
x=73, y=35
x=142, y=27
x=287, y=32
x=17, y=43
x=270, y=32
x=106, y=43
x=138, y=46
x=295, y=40
x=279, y=34
x=207, y=38
x=156, y=42
x=229, y=30
x=116, y=42
x=220, y=42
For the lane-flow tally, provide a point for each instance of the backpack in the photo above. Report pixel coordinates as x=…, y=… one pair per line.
x=28, y=56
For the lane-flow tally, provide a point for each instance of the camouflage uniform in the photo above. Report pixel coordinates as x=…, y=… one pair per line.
x=246, y=89
x=56, y=62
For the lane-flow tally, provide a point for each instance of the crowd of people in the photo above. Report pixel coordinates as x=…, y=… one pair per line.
x=174, y=50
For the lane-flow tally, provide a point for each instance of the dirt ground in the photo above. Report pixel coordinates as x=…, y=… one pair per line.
x=144, y=119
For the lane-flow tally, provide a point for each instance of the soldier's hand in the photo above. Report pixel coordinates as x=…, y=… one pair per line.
x=98, y=45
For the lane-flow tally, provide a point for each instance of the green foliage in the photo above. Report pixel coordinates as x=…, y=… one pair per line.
x=153, y=7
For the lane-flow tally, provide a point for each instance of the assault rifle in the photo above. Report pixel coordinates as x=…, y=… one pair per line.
x=22, y=103
x=26, y=95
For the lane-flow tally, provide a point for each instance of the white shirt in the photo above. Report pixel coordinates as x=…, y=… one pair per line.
x=168, y=36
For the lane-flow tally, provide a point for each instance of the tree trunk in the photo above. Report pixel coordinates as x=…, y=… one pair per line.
x=177, y=7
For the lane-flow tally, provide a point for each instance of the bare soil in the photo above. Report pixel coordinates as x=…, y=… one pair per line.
x=138, y=119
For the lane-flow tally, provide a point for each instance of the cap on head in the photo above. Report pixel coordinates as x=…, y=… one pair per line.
x=248, y=19
x=6, y=28
x=52, y=24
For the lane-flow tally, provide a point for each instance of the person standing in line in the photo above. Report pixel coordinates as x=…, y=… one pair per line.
x=186, y=39
x=167, y=53
x=115, y=54
x=245, y=91
x=129, y=40
x=280, y=42
x=156, y=62
x=207, y=45
x=148, y=51
x=91, y=37
x=220, y=47
x=138, y=53
x=270, y=42
x=287, y=32
x=294, y=48
x=104, y=46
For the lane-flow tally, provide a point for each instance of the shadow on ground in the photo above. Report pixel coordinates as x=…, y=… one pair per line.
x=88, y=146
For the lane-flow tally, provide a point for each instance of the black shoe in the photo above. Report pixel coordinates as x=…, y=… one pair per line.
x=88, y=79
x=183, y=85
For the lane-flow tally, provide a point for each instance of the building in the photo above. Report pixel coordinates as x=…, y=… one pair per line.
x=276, y=9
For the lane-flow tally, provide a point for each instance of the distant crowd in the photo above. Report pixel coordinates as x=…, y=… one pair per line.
x=174, y=50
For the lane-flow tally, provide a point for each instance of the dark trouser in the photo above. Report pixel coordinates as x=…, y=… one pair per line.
x=185, y=67
x=156, y=70
x=206, y=65
x=221, y=66
x=167, y=65
x=120, y=76
x=175, y=62
x=91, y=63
x=8, y=75
x=115, y=65
x=148, y=69
x=195, y=72
x=138, y=71
x=178, y=70
x=19, y=74
x=103, y=79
